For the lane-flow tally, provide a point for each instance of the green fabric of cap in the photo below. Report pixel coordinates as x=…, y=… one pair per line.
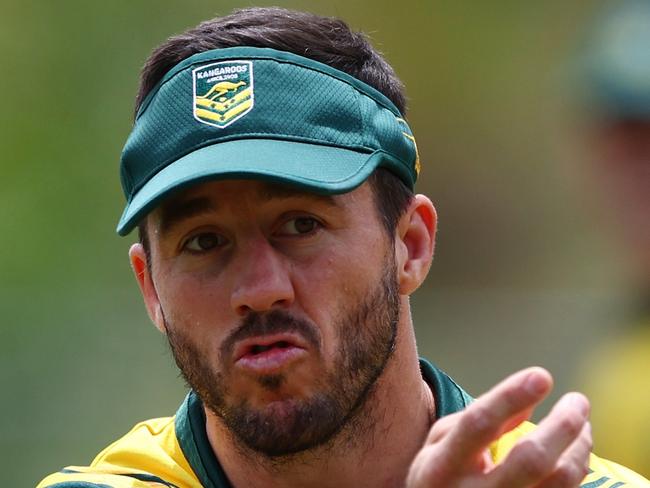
x=259, y=113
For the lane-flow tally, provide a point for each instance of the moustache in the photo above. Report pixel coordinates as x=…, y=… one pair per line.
x=274, y=322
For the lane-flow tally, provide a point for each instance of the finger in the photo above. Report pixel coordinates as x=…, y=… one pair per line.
x=446, y=423
x=515, y=396
x=573, y=466
x=536, y=455
x=515, y=421
x=487, y=418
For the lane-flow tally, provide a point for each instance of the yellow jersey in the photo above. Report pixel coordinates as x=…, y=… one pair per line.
x=174, y=452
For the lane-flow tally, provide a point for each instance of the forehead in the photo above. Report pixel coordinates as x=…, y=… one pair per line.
x=230, y=194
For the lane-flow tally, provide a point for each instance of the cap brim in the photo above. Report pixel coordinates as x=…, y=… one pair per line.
x=316, y=168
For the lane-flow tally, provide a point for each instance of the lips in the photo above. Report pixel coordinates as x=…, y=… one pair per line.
x=269, y=353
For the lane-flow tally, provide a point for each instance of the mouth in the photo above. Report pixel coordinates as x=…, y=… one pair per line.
x=269, y=354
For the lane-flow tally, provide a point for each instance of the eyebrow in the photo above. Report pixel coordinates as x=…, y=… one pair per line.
x=177, y=210
x=174, y=212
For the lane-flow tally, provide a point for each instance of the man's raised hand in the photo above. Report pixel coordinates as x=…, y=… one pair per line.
x=556, y=454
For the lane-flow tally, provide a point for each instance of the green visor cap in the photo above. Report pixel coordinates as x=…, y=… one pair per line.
x=258, y=113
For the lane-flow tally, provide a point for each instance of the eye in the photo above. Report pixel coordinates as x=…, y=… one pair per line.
x=204, y=242
x=299, y=226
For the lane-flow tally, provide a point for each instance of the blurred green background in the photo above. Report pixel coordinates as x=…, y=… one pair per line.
x=527, y=270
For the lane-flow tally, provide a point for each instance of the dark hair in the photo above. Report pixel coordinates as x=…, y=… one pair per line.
x=325, y=39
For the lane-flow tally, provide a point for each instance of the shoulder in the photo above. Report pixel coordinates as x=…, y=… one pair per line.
x=79, y=477
x=147, y=456
x=602, y=473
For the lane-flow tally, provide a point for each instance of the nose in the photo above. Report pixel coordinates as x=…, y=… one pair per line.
x=262, y=281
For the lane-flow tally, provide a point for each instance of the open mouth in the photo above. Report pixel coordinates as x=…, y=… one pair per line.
x=258, y=348
x=268, y=354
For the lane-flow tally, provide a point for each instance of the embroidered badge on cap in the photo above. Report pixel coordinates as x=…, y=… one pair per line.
x=223, y=92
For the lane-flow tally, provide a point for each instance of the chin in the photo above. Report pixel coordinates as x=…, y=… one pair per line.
x=285, y=427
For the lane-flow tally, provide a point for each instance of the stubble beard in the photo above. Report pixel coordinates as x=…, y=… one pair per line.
x=367, y=332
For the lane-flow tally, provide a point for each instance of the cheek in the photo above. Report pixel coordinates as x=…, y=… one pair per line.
x=196, y=307
x=332, y=286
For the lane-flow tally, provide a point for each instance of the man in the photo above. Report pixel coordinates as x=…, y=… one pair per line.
x=270, y=171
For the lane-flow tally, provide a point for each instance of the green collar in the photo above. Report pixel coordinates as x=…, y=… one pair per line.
x=193, y=439
x=450, y=398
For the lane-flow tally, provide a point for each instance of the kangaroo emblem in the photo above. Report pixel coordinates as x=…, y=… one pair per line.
x=221, y=88
x=217, y=101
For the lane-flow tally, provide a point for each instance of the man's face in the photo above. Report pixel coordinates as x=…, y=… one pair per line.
x=281, y=307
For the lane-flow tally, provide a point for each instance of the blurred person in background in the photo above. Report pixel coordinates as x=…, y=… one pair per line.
x=615, y=90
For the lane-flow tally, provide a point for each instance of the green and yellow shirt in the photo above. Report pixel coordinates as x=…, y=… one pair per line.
x=174, y=452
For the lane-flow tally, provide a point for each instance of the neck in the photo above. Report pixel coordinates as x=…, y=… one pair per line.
x=377, y=451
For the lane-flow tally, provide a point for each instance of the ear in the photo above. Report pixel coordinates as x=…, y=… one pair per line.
x=414, y=244
x=138, y=258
